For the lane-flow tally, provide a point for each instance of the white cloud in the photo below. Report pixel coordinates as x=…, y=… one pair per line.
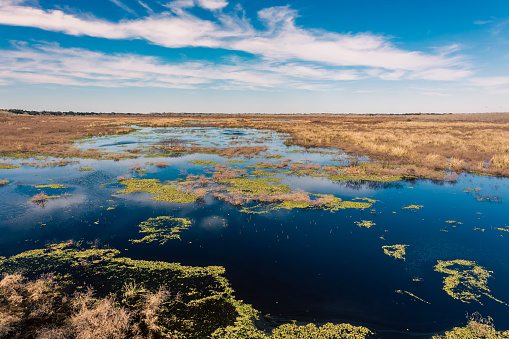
x=52, y=64
x=490, y=81
x=282, y=40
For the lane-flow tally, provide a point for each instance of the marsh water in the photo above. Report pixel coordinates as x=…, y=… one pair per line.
x=308, y=265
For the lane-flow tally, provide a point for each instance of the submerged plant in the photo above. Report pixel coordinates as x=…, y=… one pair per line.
x=465, y=280
x=162, y=229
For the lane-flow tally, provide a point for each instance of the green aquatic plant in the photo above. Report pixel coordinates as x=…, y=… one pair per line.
x=413, y=296
x=42, y=197
x=365, y=223
x=166, y=193
x=4, y=182
x=465, y=281
x=365, y=177
x=234, y=161
x=413, y=207
x=256, y=187
x=4, y=165
x=162, y=229
x=50, y=186
x=201, y=300
x=327, y=331
x=84, y=169
x=396, y=251
x=477, y=328
x=202, y=162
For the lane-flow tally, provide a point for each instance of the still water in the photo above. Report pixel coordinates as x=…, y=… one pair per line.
x=308, y=265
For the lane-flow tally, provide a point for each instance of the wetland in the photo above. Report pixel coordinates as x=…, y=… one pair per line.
x=246, y=227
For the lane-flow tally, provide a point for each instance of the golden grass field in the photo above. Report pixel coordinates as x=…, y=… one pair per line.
x=405, y=144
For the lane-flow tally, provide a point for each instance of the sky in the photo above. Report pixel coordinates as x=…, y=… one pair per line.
x=295, y=56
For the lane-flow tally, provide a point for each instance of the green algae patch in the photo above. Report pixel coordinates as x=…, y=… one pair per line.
x=395, y=251
x=166, y=193
x=162, y=229
x=256, y=187
x=465, y=281
x=365, y=223
x=413, y=207
x=365, y=177
x=50, y=186
x=202, y=162
x=201, y=301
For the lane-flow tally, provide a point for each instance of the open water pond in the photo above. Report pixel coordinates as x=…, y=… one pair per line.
x=403, y=257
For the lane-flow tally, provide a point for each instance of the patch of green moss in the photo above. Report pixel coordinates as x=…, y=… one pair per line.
x=395, y=251
x=365, y=177
x=166, y=193
x=202, y=162
x=465, y=280
x=162, y=229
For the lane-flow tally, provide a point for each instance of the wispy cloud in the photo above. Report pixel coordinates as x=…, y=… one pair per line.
x=281, y=40
x=52, y=64
x=123, y=6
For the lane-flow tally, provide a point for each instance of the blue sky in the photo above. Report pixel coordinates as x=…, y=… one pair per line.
x=255, y=56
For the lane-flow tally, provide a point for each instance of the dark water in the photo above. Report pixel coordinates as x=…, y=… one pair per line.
x=305, y=265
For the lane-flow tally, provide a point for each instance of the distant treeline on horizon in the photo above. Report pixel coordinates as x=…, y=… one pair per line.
x=22, y=111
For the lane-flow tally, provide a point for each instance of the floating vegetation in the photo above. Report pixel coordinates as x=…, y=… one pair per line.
x=162, y=229
x=234, y=161
x=201, y=301
x=8, y=165
x=84, y=169
x=274, y=156
x=202, y=162
x=42, y=197
x=502, y=229
x=412, y=295
x=50, y=186
x=490, y=198
x=465, y=280
x=327, y=331
x=262, y=173
x=256, y=187
x=413, y=207
x=365, y=177
x=4, y=182
x=166, y=193
x=395, y=251
x=365, y=223
x=476, y=328
x=159, y=164
x=454, y=222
